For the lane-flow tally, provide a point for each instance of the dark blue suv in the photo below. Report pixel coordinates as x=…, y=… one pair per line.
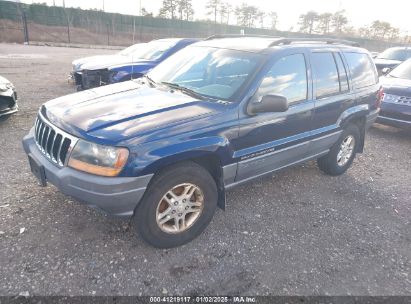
x=221, y=112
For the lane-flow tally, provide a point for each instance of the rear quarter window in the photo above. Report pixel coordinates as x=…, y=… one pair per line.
x=363, y=71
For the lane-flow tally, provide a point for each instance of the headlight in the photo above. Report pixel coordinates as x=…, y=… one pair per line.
x=5, y=86
x=118, y=75
x=98, y=159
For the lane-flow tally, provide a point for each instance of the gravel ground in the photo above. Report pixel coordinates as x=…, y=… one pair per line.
x=298, y=232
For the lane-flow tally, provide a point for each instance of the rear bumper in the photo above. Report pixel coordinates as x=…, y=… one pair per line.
x=371, y=118
x=396, y=115
x=398, y=123
x=118, y=196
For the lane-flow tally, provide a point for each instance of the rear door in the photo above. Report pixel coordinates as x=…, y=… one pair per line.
x=332, y=97
x=364, y=80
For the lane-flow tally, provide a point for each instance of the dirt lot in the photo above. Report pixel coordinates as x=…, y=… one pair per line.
x=297, y=232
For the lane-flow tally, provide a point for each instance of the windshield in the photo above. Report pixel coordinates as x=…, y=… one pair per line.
x=131, y=49
x=153, y=50
x=402, y=71
x=216, y=73
x=395, y=54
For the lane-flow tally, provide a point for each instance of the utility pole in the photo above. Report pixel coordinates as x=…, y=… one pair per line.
x=64, y=3
x=103, y=5
x=141, y=22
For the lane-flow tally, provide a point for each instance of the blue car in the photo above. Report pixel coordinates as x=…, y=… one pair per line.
x=396, y=105
x=101, y=61
x=163, y=149
x=140, y=61
x=391, y=58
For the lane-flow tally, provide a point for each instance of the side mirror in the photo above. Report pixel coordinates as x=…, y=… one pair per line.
x=269, y=103
x=385, y=71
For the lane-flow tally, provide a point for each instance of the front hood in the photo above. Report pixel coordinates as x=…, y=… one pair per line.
x=3, y=80
x=105, y=112
x=84, y=60
x=386, y=62
x=105, y=62
x=396, y=86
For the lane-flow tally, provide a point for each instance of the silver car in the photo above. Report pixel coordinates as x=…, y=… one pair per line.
x=8, y=98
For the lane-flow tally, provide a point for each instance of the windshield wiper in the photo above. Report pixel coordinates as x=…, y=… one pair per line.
x=150, y=80
x=183, y=89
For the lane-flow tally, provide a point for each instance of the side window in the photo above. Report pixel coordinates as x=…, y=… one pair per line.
x=325, y=74
x=362, y=69
x=342, y=73
x=288, y=78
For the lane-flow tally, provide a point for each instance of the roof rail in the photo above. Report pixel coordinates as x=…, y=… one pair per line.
x=283, y=41
x=239, y=36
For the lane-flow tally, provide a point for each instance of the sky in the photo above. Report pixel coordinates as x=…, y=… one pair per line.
x=359, y=12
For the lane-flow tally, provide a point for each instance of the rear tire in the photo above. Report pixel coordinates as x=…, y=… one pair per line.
x=177, y=206
x=342, y=153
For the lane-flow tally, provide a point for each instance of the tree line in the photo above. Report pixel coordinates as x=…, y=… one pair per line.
x=220, y=12
x=337, y=23
x=245, y=15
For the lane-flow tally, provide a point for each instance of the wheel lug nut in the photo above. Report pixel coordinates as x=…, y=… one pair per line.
x=173, y=211
x=176, y=203
x=184, y=200
x=180, y=214
x=187, y=208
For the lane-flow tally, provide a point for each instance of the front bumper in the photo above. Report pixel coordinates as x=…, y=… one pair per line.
x=8, y=102
x=9, y=111
x=118, y=196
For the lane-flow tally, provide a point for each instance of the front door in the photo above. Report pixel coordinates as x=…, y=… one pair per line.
x=269, y=141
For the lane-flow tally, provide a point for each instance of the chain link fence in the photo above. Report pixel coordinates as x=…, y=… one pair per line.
x=41, y=23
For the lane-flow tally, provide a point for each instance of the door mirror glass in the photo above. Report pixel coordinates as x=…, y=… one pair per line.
x=269, y=103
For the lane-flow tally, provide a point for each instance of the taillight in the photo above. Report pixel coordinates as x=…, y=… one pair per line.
x=380, y=97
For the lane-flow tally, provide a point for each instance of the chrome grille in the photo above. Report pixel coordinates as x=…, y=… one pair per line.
x=54, y=143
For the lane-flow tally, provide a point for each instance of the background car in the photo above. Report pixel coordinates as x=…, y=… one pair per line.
x=391, y=57
x=8, y=98
x=139, y=63
x=396, y=105
x=121, y=57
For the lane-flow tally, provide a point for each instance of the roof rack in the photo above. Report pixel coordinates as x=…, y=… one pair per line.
x=239, y=36
x=283, y=41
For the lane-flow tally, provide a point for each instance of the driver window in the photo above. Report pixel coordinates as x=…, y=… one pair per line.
x=288, y=78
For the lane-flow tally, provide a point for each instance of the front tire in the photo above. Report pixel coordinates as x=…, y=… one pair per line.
x=177, y=206
x=342, y=153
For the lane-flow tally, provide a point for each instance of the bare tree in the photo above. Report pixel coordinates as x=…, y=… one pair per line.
x=213, y=7
x=307, y=21
x=338, y=21
x=169, y=9
x=146, y=13
x=223, y=11
x=274, y=20
x=324, y=23
x=185, y=9
x=261, y=16
x=246, y=15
